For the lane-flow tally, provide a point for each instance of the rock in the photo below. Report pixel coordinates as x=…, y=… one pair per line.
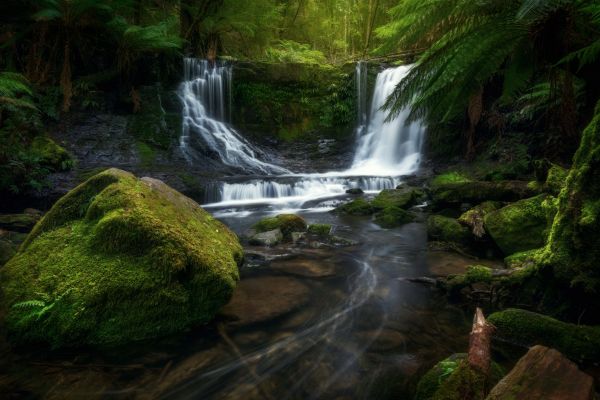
x=475, y=216
x=443, y=375
x=18, y=222
x=446, y=229
x=392, y=217
x=269, y=238
x=305, y=267
x=322, y=230
x=544, y=373
x=32, y=211
x=355, y=191
x=262, y=299
x=342, y=242
x=51, y=154
x=7, y=251
x=578, y=342
x=405, y=197
x=298, y=237
x=556, y=179
x=119, y=259
x=286, y=223
x=454, y=194
x=519, y=226
x=356, y=207
x=384, y=340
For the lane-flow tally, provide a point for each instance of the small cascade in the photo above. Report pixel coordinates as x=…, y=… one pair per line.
x=360, y=77
x=206, y=95
x=388, y=147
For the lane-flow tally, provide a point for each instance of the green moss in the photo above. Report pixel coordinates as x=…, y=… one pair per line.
x=288, y=223
x=147, y=154
x=450, y=177
x=446, y=229
x=152, y=125
x=556, y=179
x=402, y=198
x=522, y=259
x=50, y=154
x=526, y=328
x=320, y=229
x=116, y=260
x=391, y=217
x=455, y=194
x=356, y=207
x=519, y=226
x=474, y=274
x=18, y=222
x=473, y=218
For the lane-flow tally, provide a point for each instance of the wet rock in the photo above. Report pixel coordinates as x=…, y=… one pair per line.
x=454, y=194
x=268, y=238
x=305, y=267
x=544, y=373
x=322, y=230
x=18, y=222
x=405, y=197
x=356, y=207
x=446, y=229
x=392, y=217
x=355, y=191
x=298, y=237
x=286, y=223
x=258, y=300
x=255, y=257
x=473, y=218
x=342, y=242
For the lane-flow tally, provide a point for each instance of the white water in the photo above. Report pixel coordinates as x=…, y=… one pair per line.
x=385, y=150
x=204, y=92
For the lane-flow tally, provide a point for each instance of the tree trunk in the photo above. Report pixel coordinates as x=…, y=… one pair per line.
x=475, y=110
x=479, y=356
x=66, y=83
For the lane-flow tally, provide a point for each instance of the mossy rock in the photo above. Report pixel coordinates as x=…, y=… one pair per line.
x=287, y=223
x=449, y=379
x=391, y=217
x=455, y=194
x=119, y=259
x=356, y=207
x=524, y=259
x=320, y=229
x=474, y=274
x=556, y=179
x=578, y=342
x=18, y=222
x=7, y=251
x=474, y=217
x=403, y=198
x=519, y=226
x=445, y=229
x=51, y=154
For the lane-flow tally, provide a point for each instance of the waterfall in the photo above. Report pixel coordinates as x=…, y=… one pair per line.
x=361, y=96
x=388, y=147
x=204, y=93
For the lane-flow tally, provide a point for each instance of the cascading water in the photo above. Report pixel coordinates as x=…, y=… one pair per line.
x=204, y=93
x=388, y=147
x=385, y=151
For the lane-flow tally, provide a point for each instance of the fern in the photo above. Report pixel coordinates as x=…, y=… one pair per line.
x=15, y=91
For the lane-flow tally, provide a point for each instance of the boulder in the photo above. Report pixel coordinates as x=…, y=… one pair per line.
x=455, y=194
x=258, y=300
x=18, y=222
x=474, y=217
x=356, y=207
x=269, y=238
x=392, y=217
x=544, y=373
x=355, y=191
x=519, y=226
x=405, y=197
x=578, y=342
x=322, y=230
x=119, y=259
x=286, y=223
x=447, y=229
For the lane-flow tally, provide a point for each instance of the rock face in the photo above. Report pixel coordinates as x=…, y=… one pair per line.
x=544, y=373
x=119, y=259
x=519, y=226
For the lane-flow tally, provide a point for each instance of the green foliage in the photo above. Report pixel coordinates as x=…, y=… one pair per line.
x=322, y=230
x=288, y=51
x=15, y=92
x=450, y=177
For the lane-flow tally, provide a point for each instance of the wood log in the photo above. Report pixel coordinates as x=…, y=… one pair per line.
x=479, y=356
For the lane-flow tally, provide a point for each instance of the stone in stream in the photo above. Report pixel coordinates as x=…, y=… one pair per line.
x=119, y=259
x=305, y=267
x=268, y=238
x=544, y=373
x=355, y=191
x=258, y=300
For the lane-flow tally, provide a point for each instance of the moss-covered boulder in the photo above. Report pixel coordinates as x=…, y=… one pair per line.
x=356, y=207
x=322, y=230
x=118, y=259
x=445, y=229
x=573, y=246
x=578, y=342
x=556, y=179
x=474, y=217
x=519, y=226
x=287, y=223
x=392, y=217
x=403, y=197
x=455, y=194
x=449, y=378
x=50, y=154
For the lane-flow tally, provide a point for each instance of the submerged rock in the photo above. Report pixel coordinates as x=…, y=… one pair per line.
x=262, y=299
x=544, y=373
x=119, y=259
x=519, y=226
